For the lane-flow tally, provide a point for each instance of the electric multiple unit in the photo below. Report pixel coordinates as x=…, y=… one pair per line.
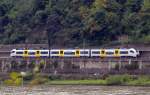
x=75, y=53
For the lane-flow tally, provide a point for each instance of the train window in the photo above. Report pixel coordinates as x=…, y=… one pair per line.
x=72, y=53
x=31, y=53
x=102, y=52
x=54, y=52
x=44, y=52
x=95, y=52
x=25, y=52
x=131, y=51
x=110, y=53
x=12, y=51
x=84, y=52
x=38, y=52
x=123, y=52
x=116, y=52
x=19, y=52
x=77, y=52
x=61, y=52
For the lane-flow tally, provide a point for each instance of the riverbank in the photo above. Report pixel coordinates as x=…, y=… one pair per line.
x=124, y=80
x=115, y=80
x=74, y=90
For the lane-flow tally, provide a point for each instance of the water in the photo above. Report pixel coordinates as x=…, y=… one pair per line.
x=75, y=90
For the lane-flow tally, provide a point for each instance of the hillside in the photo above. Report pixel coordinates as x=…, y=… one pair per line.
x=74, y=23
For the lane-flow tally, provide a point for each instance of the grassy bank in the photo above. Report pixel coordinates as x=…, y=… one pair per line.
x=129, y=80
x=77, y=82
x=110, y=80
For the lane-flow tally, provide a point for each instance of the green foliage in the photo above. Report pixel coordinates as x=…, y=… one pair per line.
x=94, y=22
x=118, y=79
x=14, y=75
x=77, y=82
x=110, y=80
x=15, y=79
x=141, y=81
x=146, y=5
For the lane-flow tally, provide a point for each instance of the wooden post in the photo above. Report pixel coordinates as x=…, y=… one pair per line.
x=130, y=61
x=19, y=63
x=28, y=62
x=45, y=62
x=3, y=65
x=109, y=66
x=120, y=65
x=140, y=65
x=9, y=63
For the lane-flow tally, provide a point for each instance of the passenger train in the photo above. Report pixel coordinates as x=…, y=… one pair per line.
x=75, y=53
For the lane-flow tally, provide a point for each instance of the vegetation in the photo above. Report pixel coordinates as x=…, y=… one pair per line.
x=72, y=22
x=15, y=79
x=37, y=79
x=110, y=80
x=77, y=82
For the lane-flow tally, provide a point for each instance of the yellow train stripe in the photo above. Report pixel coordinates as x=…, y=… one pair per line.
x=37, y=54
x=61, y=53
x=25, y=53
x=117, y=53
x=77, y=53
x=102, y=53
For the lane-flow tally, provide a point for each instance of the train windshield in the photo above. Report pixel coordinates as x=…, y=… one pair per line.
x=12, y=51
x=131, y=51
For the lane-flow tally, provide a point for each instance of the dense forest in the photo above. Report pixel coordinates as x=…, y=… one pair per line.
x=74, y=22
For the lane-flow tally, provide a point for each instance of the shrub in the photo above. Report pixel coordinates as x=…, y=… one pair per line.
x=118, y=79
x=15, y=79
x=142, y=80
x=8, y=82
x=14, y=75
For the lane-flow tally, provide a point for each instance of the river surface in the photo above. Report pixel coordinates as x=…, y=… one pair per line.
x=75, y=90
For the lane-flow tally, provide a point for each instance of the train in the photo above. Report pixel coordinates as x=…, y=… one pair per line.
x=131, y=52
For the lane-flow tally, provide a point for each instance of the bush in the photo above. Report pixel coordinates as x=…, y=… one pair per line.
x=15, y=79
x=118, y=79
x=142, y=80
x=8, y=82
x=14, y=75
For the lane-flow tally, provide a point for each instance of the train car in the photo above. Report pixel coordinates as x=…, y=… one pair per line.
x=69, y=52
x=114, y=53
x=75, y=53
x=29, y=53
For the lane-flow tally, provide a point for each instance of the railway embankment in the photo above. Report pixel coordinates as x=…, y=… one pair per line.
x=89, y=66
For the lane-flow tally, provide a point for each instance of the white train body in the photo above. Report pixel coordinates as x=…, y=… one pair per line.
x=114, y=53
x=69, y=52
x=75, y=53
x=29, y=53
